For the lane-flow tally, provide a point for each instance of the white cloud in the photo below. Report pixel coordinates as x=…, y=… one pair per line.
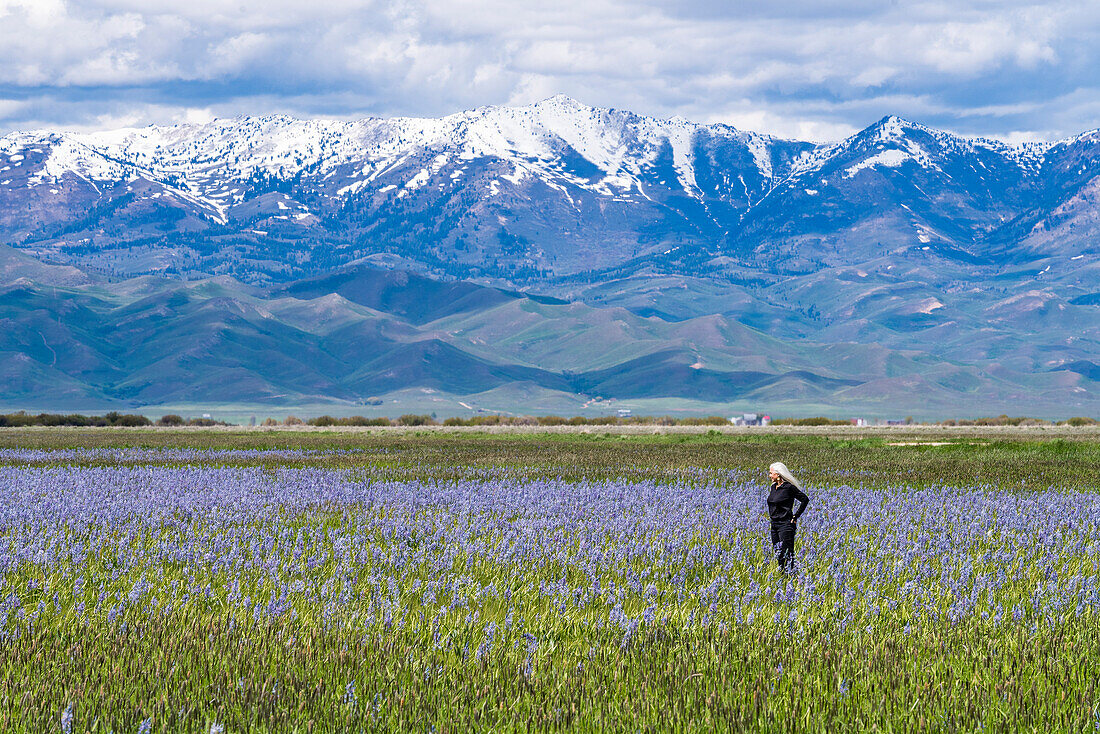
x=11, y=108
x=238, y=52
x=792, y=67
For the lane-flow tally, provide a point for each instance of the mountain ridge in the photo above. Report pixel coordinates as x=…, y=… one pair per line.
x=959, y=267
x=522, y=195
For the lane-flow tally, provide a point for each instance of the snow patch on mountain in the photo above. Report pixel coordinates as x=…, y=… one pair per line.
x=928, y=305
x=761, y=155
x=886, y=159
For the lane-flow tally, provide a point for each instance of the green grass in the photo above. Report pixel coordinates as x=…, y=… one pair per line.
x=997, y=458
x=210, y=662
x=190, y=673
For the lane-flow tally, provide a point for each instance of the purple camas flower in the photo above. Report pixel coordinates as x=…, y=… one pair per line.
x=508, y=556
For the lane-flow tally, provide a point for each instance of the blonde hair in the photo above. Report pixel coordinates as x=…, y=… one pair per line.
x=781, y=469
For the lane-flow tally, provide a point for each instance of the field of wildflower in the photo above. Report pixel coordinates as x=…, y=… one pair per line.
x=230, y=582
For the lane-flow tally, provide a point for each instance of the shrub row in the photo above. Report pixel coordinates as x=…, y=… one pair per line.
x=816, y=421
x=1004, y=420
x=177, y=420
x=502, y=420
x=580, y=420
x=355, y=420
x=118, y=419
x=16, y=420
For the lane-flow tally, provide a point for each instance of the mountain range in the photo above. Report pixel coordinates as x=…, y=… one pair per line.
x=555, y=252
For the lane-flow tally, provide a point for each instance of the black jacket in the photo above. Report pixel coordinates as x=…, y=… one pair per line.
x=781, y=501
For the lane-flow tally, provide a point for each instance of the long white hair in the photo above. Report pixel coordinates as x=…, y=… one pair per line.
x=781, y=469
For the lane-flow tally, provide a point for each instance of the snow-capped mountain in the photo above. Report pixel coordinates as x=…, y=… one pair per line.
x=901, y=261
x=535, y=140
x=530, y=194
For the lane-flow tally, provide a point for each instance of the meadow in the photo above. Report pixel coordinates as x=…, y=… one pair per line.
x=208, y=581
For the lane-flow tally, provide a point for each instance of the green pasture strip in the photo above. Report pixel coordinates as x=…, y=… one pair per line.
x=999, y=459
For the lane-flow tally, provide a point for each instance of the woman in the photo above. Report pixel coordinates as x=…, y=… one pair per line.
x=785, y=490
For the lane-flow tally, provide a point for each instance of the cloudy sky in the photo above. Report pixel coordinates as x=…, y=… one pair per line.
x=811, y=69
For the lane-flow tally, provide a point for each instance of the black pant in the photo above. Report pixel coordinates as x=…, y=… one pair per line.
x=783, y=542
